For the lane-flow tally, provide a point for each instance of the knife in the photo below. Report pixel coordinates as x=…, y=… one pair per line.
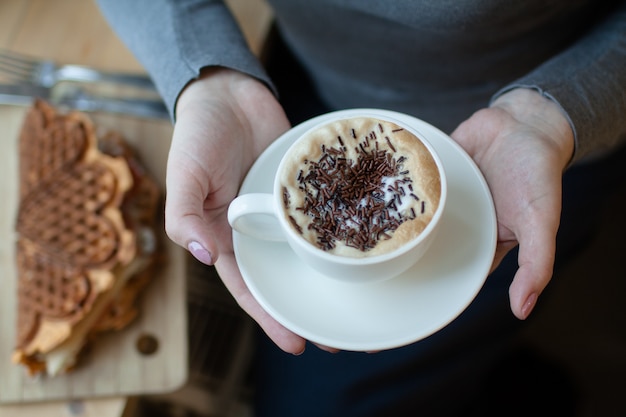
x=78, y=99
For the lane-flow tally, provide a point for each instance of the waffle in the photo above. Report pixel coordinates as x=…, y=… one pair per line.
x=49, y=142
x=85, y=237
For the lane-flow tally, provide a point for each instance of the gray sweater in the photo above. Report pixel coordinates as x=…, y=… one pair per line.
x=438, y=60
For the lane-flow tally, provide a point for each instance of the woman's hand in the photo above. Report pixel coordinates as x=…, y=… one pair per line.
x=522, y=144
x=224, y=121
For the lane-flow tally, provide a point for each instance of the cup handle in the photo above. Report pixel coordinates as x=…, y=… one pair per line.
x=254, y=215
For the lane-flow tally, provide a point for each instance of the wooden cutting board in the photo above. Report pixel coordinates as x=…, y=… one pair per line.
x=114, y=365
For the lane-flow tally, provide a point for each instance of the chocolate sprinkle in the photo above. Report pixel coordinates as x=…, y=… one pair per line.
x=295, y=224
x=355, y=201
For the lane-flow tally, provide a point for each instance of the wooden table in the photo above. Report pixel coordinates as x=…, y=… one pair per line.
x=73, y=31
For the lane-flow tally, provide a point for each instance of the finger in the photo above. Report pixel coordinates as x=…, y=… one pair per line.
x=501, y=251
x=327, y=348
x=283, y=337
x=536, y=263
x=185, y=223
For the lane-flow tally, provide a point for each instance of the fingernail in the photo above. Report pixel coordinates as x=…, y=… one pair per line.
x=200, y=253
x=528, y=306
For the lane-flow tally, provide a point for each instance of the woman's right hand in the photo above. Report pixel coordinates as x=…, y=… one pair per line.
x=224, y=121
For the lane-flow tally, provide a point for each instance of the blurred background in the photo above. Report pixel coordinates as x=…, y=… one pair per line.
x=572, y=355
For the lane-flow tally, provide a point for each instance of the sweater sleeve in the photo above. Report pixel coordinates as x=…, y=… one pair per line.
x=588, y=81
x=175, y=39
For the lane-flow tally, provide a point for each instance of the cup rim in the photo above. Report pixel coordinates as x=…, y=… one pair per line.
x=365, y=260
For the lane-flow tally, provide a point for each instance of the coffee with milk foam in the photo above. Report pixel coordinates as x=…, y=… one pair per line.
x=360, y=187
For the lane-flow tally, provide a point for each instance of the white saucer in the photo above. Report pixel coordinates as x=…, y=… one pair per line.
x=381, y=315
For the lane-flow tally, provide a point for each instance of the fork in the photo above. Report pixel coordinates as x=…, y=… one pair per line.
x=79, y=99
x=18, y=68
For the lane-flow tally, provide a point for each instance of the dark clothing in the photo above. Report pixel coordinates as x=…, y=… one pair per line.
x=448, y=373
x=439, y=61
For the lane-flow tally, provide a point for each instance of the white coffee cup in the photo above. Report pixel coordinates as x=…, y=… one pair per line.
x=329, y=223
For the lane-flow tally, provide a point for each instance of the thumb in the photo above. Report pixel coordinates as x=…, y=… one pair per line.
x=185, y=222
x=536, y=263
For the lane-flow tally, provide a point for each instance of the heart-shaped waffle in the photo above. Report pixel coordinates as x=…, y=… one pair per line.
x=48, y=143
x=75, y=216
x=52, y=296
x=73, y=237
